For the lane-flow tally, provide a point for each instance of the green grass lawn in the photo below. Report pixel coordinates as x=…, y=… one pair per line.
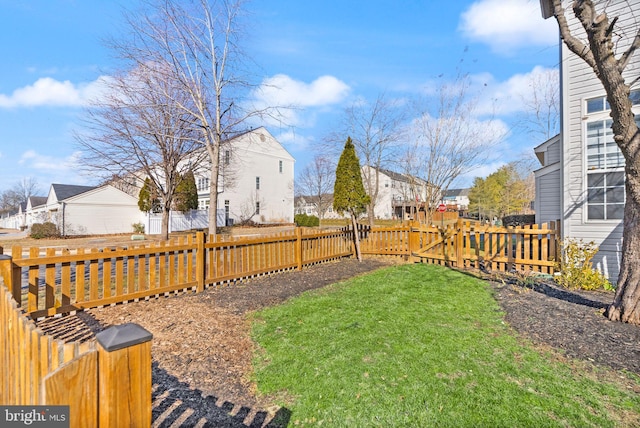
x=418, y=346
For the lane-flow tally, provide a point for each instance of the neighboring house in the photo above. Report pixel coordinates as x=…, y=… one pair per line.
x=398, y=194
x=35, y=211
x=308, y=205
x=457, y=199
x=85, y=210
x=582, y=176
x=256, y=181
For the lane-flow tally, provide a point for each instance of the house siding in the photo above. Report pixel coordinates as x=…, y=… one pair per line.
x=548, y=194
x=255, y=154
x=579, y=83
x=105, y=210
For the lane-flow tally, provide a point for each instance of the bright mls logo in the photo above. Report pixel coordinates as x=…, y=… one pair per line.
x=34, y=416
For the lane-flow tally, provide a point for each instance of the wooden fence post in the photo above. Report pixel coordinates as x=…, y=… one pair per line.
x=414, y=241
x=298, y=248
x=124, y=376
x=460, y=244
x=201, y=261
x=12, y=278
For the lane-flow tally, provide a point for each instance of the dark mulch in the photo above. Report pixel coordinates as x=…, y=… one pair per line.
x=202, y=348
x=572, y=321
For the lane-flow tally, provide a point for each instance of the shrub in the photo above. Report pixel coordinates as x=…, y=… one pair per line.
x=576, y=270
x=306, y=220
x=138, y=227
x=518, y=220
x=44, y=230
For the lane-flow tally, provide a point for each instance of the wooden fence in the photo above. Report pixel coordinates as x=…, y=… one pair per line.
x=105, y=383
x=37, y=369
x=464, y=245
x=467, y=244
x=48, y=282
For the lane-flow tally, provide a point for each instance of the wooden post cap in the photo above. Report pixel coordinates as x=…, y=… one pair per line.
x=122, y=336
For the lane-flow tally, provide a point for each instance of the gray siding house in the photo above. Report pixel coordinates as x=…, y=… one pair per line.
x=582, y=176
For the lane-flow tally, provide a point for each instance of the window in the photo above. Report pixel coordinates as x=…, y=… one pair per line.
x=605, y=196
x=605, y=163
x=227, y=157
x=257, y=207
x=280, y=167
x=203, y=204
x=602, y=150
x=257, y=183
x=203, y=184
x=595, y=105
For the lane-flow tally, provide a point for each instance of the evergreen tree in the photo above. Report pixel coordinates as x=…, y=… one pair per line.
x=147, y=198
x=186, y=197
x=348, y=192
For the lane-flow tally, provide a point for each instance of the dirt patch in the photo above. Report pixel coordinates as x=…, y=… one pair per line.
x=202, y=349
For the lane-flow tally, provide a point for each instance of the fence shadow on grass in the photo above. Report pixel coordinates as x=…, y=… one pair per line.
x=174, y=403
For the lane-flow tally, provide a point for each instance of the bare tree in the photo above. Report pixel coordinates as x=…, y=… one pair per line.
x=135, y=130
x=450, y=142
x=199, y=39
x=376, y=129
x=609, y=59
x=19, y=193
x=542, y=105
x=316, y=180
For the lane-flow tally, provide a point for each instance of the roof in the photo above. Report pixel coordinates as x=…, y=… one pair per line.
x=396, y=176
x=451, y=193
x=36, y=201
x=66, y=191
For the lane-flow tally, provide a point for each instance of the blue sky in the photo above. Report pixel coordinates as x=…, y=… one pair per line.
x=324, y=55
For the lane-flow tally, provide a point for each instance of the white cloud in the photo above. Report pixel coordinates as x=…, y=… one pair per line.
x=34, y=160
x=508, y=24
x=298, y=102
x=294, y=141
x=47, y=91
x=515, y=94
x=282, y=90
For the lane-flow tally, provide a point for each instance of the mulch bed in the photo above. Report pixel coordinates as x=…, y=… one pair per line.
x=202, y=349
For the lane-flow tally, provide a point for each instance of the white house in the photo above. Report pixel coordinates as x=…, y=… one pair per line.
x=35, y=211
x=256, y=180
x=398, y=193
x=582, y=174
x=309, y=205
x=85, y=210
x=458, y=199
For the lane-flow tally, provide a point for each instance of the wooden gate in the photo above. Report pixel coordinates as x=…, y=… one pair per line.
x=469, y=245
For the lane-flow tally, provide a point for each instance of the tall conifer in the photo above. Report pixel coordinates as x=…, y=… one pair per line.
x=348, y=192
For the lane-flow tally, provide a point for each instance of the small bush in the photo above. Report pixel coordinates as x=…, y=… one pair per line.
x=138, y=227
x=576, y=270
x=306, y=220
x=518, y=220
x=44, y=230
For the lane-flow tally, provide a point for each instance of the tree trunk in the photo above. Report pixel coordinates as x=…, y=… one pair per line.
x=356, y=237
x=214, y=156
x=626, y=304
x=164, y=233
x=600, y=55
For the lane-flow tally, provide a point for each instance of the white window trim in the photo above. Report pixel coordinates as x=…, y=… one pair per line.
x=586, y=118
